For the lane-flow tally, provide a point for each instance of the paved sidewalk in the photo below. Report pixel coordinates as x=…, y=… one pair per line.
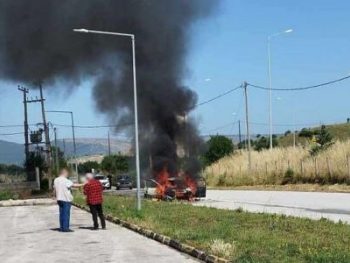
x=315, y=205
x=26, y=236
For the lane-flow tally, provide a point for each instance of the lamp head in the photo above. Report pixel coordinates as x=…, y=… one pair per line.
x=81, y=30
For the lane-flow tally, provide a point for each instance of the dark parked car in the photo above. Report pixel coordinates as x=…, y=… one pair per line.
x=123, y=181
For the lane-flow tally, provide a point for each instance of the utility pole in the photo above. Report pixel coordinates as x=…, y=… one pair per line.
x=26, y=139
x=247, y=123
x=47, y=137
x=57, y=162
x=64, y=146
x=109, y=145
x=73, y=134
x=239, y=133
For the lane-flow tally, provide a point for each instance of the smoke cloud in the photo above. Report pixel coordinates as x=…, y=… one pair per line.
x=37, y=44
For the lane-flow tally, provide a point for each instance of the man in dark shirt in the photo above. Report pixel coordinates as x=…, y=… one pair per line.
x=93, y=190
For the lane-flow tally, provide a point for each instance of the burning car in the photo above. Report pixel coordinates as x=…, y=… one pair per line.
x=170, y=188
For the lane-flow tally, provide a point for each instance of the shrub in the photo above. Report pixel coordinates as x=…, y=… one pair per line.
x=6, y=195
x=222, y=249
x=218, y=147
x=288, y=177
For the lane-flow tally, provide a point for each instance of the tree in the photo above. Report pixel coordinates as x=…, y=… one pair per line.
x=307, y=133
x=115, y=163
x=218, y=147
x=287, y=132
x=264, y=143
x=88, y=166
x=35, y=159
x=323, y=140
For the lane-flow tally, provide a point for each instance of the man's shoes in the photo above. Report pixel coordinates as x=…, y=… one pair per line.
x=67, y=230
x=94, y=228
x=104, y=228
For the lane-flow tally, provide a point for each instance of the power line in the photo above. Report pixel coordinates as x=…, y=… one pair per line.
x=218, y=96
x=92, y=126
x=302, y=88
x=9, y=134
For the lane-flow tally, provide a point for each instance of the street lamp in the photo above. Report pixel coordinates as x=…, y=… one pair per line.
x=132, y=36
x=270, y=80
x=73, y=134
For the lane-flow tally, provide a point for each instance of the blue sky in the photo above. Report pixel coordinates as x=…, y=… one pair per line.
x=229, y=48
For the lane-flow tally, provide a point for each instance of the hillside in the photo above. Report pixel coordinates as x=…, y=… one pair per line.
x=339, y=132
x=13, y=153
x=283, y=165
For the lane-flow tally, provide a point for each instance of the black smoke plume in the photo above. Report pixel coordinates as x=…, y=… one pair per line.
x=37, y=44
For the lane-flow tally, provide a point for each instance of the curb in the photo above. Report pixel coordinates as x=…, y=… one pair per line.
x=192, y=251
x=27, y=202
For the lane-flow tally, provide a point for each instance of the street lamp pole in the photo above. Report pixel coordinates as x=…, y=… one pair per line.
x=270, y=79
x=132, y=36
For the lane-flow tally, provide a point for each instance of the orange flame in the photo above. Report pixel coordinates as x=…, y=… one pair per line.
x=181, y=187
x=162, y=179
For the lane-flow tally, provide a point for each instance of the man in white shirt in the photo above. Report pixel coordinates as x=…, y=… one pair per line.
x=64, y=197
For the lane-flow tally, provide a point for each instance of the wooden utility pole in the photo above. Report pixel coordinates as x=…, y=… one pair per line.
x=26, y=138
x=239, y=134
x=57, y=161
x=47, y=137
x=245, y=84
x=109, y=145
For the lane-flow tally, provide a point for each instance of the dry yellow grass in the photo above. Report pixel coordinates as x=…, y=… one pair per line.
x=281, y=166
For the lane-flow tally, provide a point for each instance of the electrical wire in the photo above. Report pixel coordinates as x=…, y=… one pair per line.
x=218, y=96
x=92, y=126
x=9, y=134
x=302, y=88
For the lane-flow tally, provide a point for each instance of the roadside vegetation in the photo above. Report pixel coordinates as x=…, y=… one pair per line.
x=6, y=195
x=236, y=235
x=324, y=161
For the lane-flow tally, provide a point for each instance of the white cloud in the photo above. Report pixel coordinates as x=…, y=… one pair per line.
x=207, y=79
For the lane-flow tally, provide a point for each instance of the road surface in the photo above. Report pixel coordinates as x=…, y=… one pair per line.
x=27, y=235
x=315, y=205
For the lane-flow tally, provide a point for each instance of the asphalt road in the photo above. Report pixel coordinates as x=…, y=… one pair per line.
x=315, y=205
x=27, y=235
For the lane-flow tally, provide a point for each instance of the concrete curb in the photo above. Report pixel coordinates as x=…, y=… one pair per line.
x=27, y=202
x=192, y=251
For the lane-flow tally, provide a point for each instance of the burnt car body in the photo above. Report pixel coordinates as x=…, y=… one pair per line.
x=175, y=189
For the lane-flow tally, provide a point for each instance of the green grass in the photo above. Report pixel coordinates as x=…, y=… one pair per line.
x=251, y=237
x=6, y=195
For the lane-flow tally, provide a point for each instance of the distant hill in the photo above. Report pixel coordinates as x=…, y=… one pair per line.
x=94, y=146
x=13, y=153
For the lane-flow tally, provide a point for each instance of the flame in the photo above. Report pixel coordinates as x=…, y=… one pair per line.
x=191, y=184
x=182, y=186
x=163, y=183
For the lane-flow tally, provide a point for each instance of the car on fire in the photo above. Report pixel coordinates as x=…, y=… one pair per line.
x=175, y=188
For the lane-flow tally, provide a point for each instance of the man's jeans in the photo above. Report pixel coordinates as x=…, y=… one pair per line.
x=64, y=215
